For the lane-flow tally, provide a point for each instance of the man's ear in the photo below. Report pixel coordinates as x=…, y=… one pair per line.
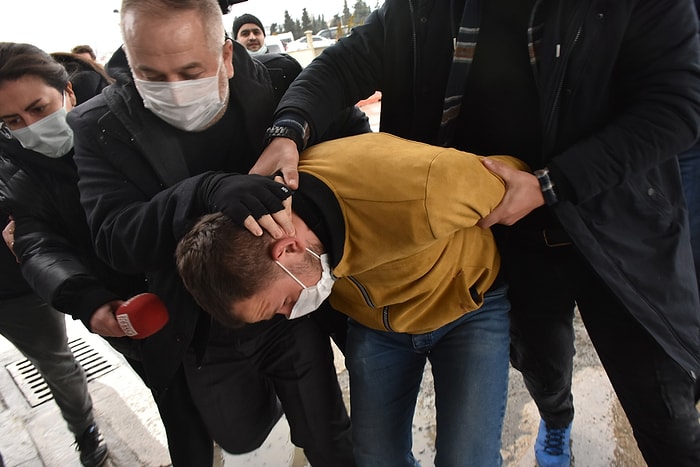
x=228, y=57
x=286, y=247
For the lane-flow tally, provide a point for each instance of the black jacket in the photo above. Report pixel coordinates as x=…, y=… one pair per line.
x=52, y=238
x=139, y=203
x=619, y=103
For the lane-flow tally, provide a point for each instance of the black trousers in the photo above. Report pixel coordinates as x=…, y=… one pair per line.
x=238, y=392
x=657, y=395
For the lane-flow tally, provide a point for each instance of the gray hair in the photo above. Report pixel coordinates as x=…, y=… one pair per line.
x=209, y=11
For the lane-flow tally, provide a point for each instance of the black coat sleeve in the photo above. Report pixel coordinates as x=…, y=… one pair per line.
x=134, y=219
x=342, y=75
x=58, y=271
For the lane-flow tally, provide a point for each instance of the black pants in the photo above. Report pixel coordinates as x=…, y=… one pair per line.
x=656, y=394
x=234, y=396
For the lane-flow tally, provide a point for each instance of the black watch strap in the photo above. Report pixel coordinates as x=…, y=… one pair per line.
x=290, y=129
x=547, y=186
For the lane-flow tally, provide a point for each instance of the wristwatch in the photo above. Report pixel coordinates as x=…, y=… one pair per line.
x=283, y=132
x=547, y=186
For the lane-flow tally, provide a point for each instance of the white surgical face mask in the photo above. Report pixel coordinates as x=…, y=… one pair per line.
x=189, y=105
x=261, y=51
x=50, y=136
x=312, y=297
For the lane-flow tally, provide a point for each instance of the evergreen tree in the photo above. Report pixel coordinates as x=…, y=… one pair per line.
x=346, y=13
x=289, y=24
x=305, y=21
x=361, y=12
x=319, y=23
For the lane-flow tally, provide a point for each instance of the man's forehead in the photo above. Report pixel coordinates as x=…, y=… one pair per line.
x=250, y=27
x=166, y=46
x=176, y=61
x=167, y=33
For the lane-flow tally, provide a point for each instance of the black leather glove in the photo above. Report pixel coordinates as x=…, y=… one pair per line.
x=239, y=196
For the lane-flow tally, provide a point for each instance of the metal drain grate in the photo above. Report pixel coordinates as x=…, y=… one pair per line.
x=33, y=385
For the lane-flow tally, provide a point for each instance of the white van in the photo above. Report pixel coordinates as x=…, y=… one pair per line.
x=274, y=44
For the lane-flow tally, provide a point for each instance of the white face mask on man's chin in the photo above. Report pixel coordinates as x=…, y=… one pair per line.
x=261, y=51
x=189, y=105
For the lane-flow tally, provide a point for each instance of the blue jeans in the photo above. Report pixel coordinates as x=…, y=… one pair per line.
x=469, y=359
x=690, y=174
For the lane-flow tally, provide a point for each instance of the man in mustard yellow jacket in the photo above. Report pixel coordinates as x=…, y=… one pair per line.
x=400, y=249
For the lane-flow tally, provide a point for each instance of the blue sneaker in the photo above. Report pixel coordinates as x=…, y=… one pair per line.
x=552, y=447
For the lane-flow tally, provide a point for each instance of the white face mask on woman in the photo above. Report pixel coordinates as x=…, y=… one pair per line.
x=50, y=136
x=311, y=297
x=189, y=105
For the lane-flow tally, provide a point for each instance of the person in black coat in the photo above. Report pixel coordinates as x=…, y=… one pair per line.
x=87, y=77
x=50, y=238
x=596, y=97
x=154, y=152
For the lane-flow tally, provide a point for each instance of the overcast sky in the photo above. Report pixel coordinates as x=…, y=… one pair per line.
x=58, y=25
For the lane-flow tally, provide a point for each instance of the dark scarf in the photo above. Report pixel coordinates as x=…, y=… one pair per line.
x=464, y=48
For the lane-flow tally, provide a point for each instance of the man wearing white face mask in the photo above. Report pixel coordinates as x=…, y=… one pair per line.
x=249, y=31
x=400, y=253
x=385, y=243
x=154, y=152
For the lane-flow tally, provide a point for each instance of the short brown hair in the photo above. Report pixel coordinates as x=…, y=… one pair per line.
x=221, y=263
x=84, y=49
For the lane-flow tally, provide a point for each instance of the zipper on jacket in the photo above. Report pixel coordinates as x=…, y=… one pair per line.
x=562, y=60
x=370, y=303
x=385, y=318
x=363, y=291
x=560, y=83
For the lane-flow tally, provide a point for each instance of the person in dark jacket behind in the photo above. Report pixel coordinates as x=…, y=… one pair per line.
x=596, y=97
x=38, y=187
x=87, y=78
x=156, y=152
x=249, y=31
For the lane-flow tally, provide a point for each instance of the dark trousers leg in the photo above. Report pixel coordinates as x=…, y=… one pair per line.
x=189, y=442
x=39, y=332
x=237, y=385
x=542, y=334
x=301, y=367
x=237, y=404
x=657, y=395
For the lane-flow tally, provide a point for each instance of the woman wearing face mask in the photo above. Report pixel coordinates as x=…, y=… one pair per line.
x=38, y=188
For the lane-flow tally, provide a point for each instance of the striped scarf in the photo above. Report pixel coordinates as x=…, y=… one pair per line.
x=464, y=48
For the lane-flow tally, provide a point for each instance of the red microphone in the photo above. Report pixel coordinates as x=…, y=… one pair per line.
x=142, y=315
